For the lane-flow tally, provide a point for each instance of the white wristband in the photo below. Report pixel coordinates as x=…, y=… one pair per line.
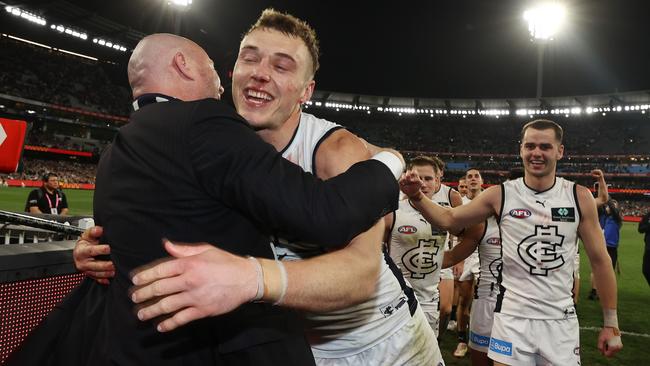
x=260, y=279
x=610, y=318
x=285, y=282
x=391, y=161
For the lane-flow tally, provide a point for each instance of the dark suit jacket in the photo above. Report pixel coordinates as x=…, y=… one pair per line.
x=196, y=171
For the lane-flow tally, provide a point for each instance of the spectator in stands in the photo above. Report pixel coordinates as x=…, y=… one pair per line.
x=48, y=198
x=644, y=228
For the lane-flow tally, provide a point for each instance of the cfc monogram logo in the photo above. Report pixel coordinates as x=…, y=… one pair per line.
x=539, y=251
x=419, y=260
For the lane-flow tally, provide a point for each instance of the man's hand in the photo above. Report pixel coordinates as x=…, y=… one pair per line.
x=200, y=281
x=411, y=184
x=609, y=341
x=597, y=174
x=458, y=269
x=85, y=251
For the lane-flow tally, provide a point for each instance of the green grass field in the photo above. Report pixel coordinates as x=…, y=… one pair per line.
x=633, y=291
x=80, y=202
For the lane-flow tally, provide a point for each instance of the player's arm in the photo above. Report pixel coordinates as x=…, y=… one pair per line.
x=34, y=209
x=456, y=219
x=603, y=193
x=348, y=275
x=327, y=282
x=468, y=243
x=601, y=266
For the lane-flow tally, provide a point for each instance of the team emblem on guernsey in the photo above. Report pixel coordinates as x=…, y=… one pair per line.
x=539, y=250
x=495, y=267
x=407, y=229
x=419, y=260
x=520, y=213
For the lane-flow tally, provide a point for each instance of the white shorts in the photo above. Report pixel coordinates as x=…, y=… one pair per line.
x=521, y=341
x=471, y=268
x=414, y=344
x=433, y=318
x=480, y=323
x=446, y=274
x=576, y=266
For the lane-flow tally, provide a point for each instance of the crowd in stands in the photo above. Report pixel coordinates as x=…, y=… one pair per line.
x=614, y=134
x=54, y=77
x=68, y=171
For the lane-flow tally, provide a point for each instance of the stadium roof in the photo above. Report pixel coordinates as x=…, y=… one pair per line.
x=460, y=50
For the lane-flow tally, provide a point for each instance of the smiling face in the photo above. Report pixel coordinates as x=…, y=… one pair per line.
x=540, y=150
x=272, y=77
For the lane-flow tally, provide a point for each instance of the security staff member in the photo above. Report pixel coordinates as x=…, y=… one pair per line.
x=48, y=198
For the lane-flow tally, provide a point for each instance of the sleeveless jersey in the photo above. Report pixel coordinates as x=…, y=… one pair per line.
x=443, y=198
x=345, y=332
x=489, y=252
x=539, y=232
x=417, y=248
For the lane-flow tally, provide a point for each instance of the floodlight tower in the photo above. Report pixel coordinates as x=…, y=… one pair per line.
x=545, y=20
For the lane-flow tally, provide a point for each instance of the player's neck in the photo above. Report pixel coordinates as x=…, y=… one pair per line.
x=49, y=190
x=539, y=184
x=471, y=194
x=282, y=136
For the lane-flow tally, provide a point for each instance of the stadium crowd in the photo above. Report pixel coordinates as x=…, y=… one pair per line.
x=54, y=77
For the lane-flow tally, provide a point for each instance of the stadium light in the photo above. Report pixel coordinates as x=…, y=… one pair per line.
x=109, y=44
x=545, y=20
x=25, y=15
x=180, y=3
x=71, y=32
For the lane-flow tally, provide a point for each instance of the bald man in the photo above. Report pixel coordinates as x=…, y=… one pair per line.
x=188, y=168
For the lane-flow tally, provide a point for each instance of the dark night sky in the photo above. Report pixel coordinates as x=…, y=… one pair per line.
x=446, y=49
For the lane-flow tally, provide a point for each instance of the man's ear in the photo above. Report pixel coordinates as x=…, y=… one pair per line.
x=181, y=65
x=309, y=91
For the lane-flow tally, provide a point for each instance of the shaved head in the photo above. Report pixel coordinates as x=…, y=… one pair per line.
x=172, y=65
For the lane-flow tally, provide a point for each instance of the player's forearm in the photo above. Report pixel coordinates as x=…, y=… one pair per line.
x=338, y=279
x=435, y=214
x=604, y=276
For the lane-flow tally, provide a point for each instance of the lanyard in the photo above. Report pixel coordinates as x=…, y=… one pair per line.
x=56, y=201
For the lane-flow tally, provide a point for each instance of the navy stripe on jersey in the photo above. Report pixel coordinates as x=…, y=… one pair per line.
x=408, y=291
x=323, y=138
x=575, y=197
x=479, y=259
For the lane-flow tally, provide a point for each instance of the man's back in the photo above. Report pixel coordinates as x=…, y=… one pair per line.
x=151, y=184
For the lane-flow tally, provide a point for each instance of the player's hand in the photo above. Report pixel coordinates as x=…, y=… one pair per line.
x=609, y=341
x=411, y=184
x=85, y=251
x=200, y=281
x=598, y=174
x=458, y=269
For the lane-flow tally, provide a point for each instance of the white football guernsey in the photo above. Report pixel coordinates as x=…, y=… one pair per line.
x=349, y=331
x=539, y=238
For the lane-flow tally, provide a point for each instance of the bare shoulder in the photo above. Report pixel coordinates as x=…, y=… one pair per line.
x=338, y=152
x=455, y=198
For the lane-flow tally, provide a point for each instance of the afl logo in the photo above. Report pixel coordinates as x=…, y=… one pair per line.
x=407, y=229
x=494, y=241
x=520, y=213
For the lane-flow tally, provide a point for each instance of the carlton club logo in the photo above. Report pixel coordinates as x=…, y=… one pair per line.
x=420, y=260
x=520, y=213
x=407, y=229
x=539, y=250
